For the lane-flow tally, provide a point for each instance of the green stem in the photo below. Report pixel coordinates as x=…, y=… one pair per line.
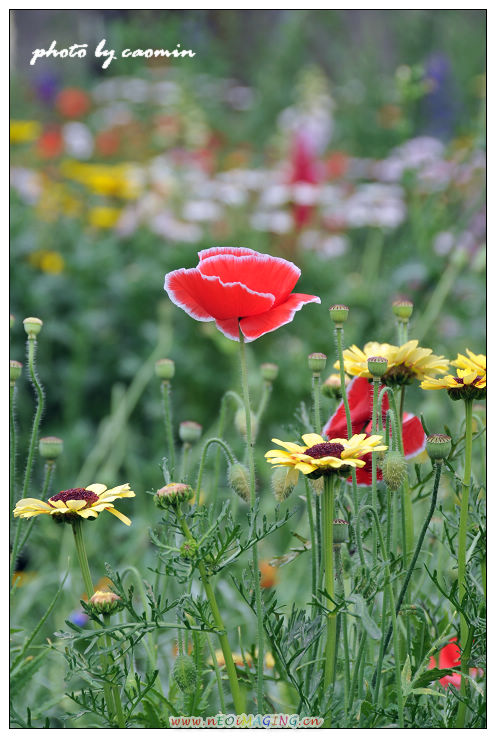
x=344, y=625
x=224, y=447
x=356, y=668
x=115, y=689
x=256, y=576
x=339, y=346
x=13, y=446
x=224, y=642
x=224, y=403
x=49, y=470
x=217, y=675
x=374, y=464
x=328, y=537
x=308, y=492
x=266, y=392
x=462, y=554
x=32, y=344
x=165, y=387
x=186, y=448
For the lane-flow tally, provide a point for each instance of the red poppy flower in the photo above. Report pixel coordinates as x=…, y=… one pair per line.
x=449, y=658
x=72, y=102
x=360, y=399
x=238, y=288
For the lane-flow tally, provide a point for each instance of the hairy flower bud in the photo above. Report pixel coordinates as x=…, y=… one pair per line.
x=240, y=422
x=403, y=309
x=332, y=386
x=340, y=530
x=173, y=494
x=269, y=371
x=339, y=313
x=377, y=365
x=32, y=326
x=394, y=469
x=165, y=369
x=238, y=478
x=15, y=371
x=317, y=362
x=438, y=446
x=189, y=431
x=283, y=482
x=104, y=603
x=50, y=447
x=184, y=673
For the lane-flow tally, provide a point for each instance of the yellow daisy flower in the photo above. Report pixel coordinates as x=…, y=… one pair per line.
x=320, y=457
x=80, y=502
x=405, y=363
x=469, y=382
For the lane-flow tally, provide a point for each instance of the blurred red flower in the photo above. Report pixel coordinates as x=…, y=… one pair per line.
x=51, y=143
x=449, y=658
x=304, y=170
x=72, y=102
x=239, y=289
x=360, y=399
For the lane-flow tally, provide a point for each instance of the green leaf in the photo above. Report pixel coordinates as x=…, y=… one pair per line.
x=432, y=675
x=406, y=676
x=25, y=672
x=361, y=611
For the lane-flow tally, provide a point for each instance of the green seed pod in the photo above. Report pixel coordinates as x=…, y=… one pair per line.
x=165, y=369
x=32, y=326
x=240, y=423
x=403, y=309
x=438, y=446
x=184, y=673
x=283, y=482
x=189, y=431
x=339, y=313
x=394, y=469
x=238, y=478
x=51, y=447
x=317, y=362
x=269, y=371
x=377, y=365
x=340, y=530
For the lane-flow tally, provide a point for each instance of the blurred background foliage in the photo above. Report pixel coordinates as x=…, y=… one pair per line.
x=350, y=142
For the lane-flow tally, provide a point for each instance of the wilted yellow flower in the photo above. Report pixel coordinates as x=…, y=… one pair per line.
x=405, y=363
x=80, y=502
x=22, y=131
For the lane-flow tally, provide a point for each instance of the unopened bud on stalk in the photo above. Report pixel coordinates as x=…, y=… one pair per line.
x=50, y=447
x=317, y=362
x=340, y=530
x=189, y=431
x=394, y=469
x=240, y=422
x=403, y=309
x=12, y=320
x=165, y=369
x=105, y=603
x=189, y=548
x=283, y=482
x=173, y=494
x=15, y=371
x=238, y=478
x=438, y=446
x=184, y=673
x=32, y=326
x=339, y=313
x=332, y=386
x=377, y=365
x=269, y=372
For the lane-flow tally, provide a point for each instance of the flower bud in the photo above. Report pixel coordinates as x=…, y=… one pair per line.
x=403, y=309
x=394, y=469
x=188, y=548
x=339, y=313
x=317, y=362
x=269, y=372
x=283, y=482
x=32, y=326
x=340, y=530
x=50, y=447
x=377, y=365
x=240, y=422
x=238, y=478
x=173, y=494
x=184, y=673
x=12, y=320
x=104, y=603
x=189, y=431
x=165, y=369
x=332, y=386
x=438, y=446
x=15, y=371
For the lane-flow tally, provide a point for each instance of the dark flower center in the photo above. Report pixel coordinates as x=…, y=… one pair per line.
x=460, y=381
x=325, y=449
x=77, y=493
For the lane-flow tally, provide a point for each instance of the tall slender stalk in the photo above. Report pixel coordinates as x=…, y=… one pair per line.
x=256, y=575
x=376, y=382
x=49, y=470
x=165, y=387
x=317, y=428
x=13, y=446
x=328, y=537
x=222, y=447
x=115, y=689
x=462, y=554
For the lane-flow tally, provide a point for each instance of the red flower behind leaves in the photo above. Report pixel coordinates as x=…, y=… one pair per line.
x=238, y=288
x=449, y=658
x=360, y=399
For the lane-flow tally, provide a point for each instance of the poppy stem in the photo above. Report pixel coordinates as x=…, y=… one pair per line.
x=49, y=469
x=256, y=572
x=462, y=552
x=222, y=447
x=374, y=464
x=115, y=689
x=318, y=429
x=13, y=445
x=228, y=397
x=165, y=387
x=328, y=536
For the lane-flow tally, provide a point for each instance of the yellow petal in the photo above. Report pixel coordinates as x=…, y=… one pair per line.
x=96, y=488
x=312, y=439
x=291, y=447
x=33, y=502
x=305, y=468
x=76, y=504
x=88, y=513
x=119, y=515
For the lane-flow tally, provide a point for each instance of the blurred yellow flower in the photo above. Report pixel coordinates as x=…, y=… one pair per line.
x=119, y=180
x=50, y=262
x=22, y=131
x=103, y=217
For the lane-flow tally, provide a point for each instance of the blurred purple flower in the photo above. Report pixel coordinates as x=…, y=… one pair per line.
x=47, y=86
x=440, y=104
x=78, y=617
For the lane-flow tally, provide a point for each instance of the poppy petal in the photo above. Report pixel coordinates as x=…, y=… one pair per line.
x=257, y=326
x=207, y=297
x=259, y=272
x=218, y=250
x=360, y=400
x=229, y=327
x=414, y=438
